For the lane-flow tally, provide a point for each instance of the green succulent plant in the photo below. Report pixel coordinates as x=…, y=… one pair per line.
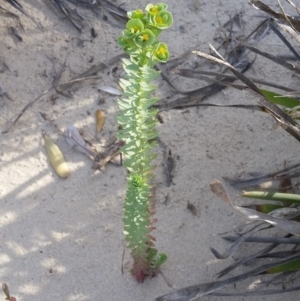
x=137, y=122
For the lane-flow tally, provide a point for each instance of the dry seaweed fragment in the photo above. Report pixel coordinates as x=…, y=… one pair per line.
x=72, y=14
x=169, y=167
x=104, y=157
x=290, y=172
x=60, y=87
x=191, y=207
x=56, y=158
x=4, y=12
x=100, y=119
x=293, y=22
x=287, y=123
x=75, y=140
x=210, y=288
x=7, y=294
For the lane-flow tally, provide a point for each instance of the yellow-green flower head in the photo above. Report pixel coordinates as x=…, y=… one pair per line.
x=162, y=20
x=136, y=14
x=134, y=26
x=144, y=38
x=161, y=52
x=155, y=9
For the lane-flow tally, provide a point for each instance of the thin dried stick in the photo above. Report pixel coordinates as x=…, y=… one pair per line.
x=81, y=77
x=194, y=73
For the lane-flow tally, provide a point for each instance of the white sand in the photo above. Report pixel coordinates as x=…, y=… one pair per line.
x=62, y=239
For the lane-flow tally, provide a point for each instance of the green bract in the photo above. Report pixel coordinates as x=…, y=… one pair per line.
x=144, y=39
x=162, y=20
x=161, y=52
x=155, y=9
x=137, y=121
x=134, y=26
x=136, y=14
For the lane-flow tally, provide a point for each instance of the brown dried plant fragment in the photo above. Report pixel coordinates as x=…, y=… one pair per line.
x=100, y=119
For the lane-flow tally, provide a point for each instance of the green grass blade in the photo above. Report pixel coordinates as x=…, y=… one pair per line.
x=278, y=99
x=273, y=196
x=264, y=208
x=290, y=266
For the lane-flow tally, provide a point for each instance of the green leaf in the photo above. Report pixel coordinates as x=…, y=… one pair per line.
x=124, y=83
x=161, y=52
x=144, y=39
x=264, y=208
x=155, y=9
x=148, y=73
x=134, y=26
x=161, y=259
x=146, y=103
x=136, y=14
x=290, y=266
x=273, y=196
x=162, y=20
x=278, y=99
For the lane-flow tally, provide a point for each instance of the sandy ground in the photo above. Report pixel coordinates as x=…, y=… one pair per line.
x=62, y=239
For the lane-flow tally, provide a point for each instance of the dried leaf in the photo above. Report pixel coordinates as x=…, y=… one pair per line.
x=74, y=139
x=286, y=225
x=209, y=288
x=100, y=118
x=110, y=90
x=247, y=259
x=291, y=21
x=233, y=247
x=104, y=157
x=6, y=291
x=218, y=189
x=267, y=240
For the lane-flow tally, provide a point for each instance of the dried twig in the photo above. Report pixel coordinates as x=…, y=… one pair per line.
x=190, y=73
x=287, y=123
x=103, y=158
x=60, y=87
x=295, y=23
x=274, y=58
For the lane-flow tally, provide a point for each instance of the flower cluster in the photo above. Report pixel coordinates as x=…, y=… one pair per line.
x=141, y=33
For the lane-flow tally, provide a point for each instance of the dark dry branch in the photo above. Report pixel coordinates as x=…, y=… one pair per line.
x=97, y=7
x=291, y=21
x=191, y=73
x=204, y=289
x=237, y=243
x=72, y=14
x=267, y=240
x=116, y=11
x=276, y=59
x=246, y=107
x=287, y=123
x=194, y=97
x=20, y=8
x=273, y=26
x=86, y=75
x=4, y=12
x=16, y=5
x=104, y=157
x=168, y=162
x=278, y=259
x=288, y=172
x=169, y=167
